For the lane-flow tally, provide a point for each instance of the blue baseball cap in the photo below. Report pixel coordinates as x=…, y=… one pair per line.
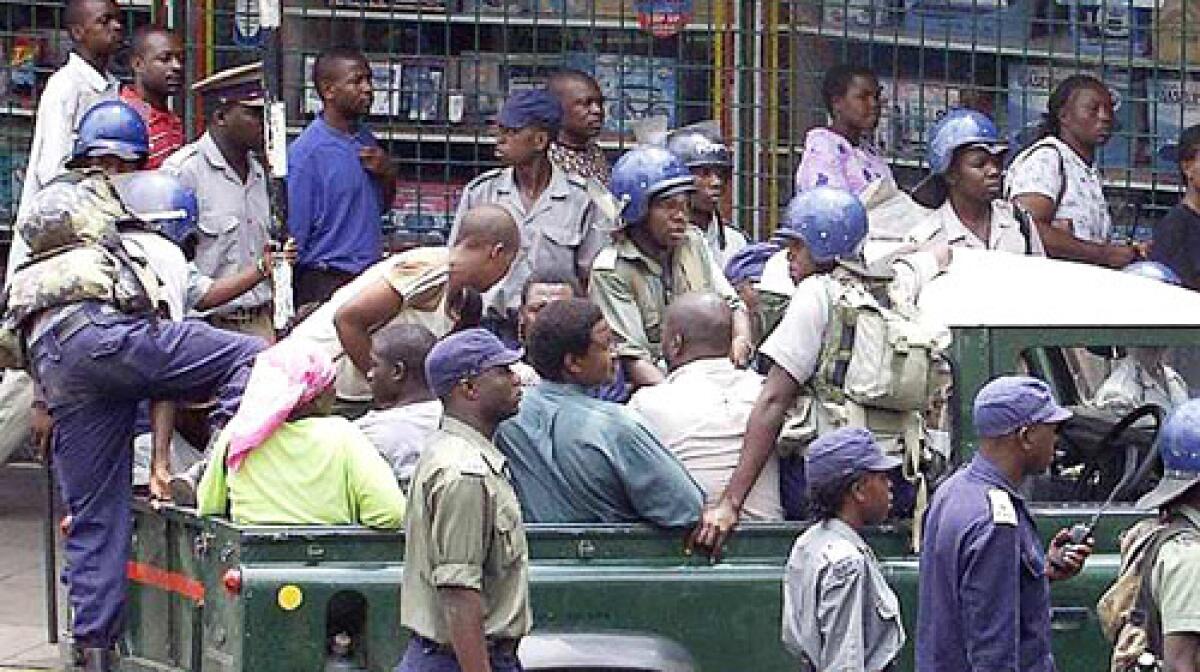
x=842, y=454
x=529, y=107
x=1009, y=403
x=748, y=263
x=464, y=355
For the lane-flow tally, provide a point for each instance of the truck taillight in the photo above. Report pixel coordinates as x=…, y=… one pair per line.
x=232, y=580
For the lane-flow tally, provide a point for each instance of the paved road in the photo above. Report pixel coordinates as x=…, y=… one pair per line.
x=22, y=609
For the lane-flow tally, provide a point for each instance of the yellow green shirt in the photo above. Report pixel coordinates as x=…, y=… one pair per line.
x=315, y=471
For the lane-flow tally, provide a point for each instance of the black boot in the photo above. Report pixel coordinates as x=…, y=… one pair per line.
x=98, y=660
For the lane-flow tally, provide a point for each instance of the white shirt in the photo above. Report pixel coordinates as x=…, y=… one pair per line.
x=1005, y=232
x=181, y=283
x=1040, y=170
x=734, y=241
x=70, y=92
x=700, y=414
x=777, y=275
x=399, y=434
x=1131, y=385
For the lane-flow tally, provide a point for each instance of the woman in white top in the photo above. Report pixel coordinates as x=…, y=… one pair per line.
x=965, y=154
x=1056, y=179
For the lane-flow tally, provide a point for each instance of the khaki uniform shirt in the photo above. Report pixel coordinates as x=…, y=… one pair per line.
x=838, y=611
x=464, y=530
x=418, y=275
x=234, y=216
x=634, y=290
x=1175, y=583
x=558, y=232
x=1005, y=231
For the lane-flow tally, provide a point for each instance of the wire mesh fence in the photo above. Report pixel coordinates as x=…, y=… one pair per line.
x=442, y=67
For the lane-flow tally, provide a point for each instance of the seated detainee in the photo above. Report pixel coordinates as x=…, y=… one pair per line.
x=1143, y=376
x=283, y=460
x=542, y=288
x=577, y=459
x=405, y=411
x=700, y=411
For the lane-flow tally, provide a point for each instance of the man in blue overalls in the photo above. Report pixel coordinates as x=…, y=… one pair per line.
x=985, y=591
x=96, y=353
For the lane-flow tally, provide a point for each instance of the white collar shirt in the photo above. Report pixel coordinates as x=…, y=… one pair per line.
x=72, y=90
x=700, y=413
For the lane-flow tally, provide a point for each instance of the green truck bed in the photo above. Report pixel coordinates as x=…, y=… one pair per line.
x=209, y=595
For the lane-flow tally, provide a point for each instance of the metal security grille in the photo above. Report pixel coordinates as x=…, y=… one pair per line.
x=443, y=66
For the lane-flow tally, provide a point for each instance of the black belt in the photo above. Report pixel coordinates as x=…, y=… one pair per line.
x=242, y=314
x=67, y=327
x=502, y=644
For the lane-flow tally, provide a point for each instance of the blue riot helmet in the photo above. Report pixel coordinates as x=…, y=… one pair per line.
x=1155, y=271
x=645, y=173
x=961, y=128
x=1179, y=446
x=696, y=149
x=832, y=224
x=161, y=202
x=112, y=128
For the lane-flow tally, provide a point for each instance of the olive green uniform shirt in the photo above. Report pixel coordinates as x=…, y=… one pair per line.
x=464, y=530
x=1175, y=583
x=633, y=290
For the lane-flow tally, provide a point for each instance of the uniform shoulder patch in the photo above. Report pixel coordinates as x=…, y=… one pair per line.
x=1003, y=511
x=606, y=260
x=473, y=465
x=576, y=180
x=843, y=560
x=485, y=176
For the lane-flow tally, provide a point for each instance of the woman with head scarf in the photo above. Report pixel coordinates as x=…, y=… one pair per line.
x=284, y=460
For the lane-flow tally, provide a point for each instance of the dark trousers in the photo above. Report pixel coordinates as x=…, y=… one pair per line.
x=425, y=655
x=93, y=377
x=316, y=285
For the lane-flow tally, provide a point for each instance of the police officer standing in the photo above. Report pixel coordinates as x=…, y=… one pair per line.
x=712, y=164
x=985, y=591
x=1173, y=631
x=838, y=611
x=557, y=218
x=814, y=347
x=96, y=352
x=465, y=592
x=231, y=187
x=659, y=255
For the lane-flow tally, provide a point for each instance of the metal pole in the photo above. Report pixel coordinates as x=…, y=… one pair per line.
x=50, y=544
x=275, y=128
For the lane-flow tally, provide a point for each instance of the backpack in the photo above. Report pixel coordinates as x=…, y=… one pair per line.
x=76, y=254
x=1128, y=616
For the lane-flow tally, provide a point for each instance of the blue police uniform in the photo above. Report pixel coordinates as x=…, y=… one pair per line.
x=94, y=367
x=985, y=598
x=985, y=594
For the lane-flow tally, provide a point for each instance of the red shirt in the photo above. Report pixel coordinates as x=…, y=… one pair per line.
x=166, y=128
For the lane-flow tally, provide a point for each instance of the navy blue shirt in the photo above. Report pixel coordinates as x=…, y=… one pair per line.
x=984, y=598
x=334, y=205
x=1177, y=243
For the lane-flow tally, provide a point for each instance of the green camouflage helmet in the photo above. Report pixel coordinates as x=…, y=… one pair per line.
x=71, y=212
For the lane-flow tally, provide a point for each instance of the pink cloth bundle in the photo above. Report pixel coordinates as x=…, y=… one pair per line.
x=285, y=376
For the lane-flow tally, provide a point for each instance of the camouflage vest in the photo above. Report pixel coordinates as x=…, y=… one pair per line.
x=76, y=254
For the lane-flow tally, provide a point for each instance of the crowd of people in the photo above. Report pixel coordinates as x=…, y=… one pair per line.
x=595, y=344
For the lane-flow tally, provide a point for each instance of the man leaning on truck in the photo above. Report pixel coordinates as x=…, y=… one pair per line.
x=465, y=592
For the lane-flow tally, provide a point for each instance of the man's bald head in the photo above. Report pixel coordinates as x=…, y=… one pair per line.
x=485, y=244
x=698, y=325
x=488, y=225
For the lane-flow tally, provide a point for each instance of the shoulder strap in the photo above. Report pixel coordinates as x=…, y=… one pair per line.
x=1145, y=607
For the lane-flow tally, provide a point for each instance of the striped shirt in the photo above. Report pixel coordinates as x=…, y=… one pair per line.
x=166, y=128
